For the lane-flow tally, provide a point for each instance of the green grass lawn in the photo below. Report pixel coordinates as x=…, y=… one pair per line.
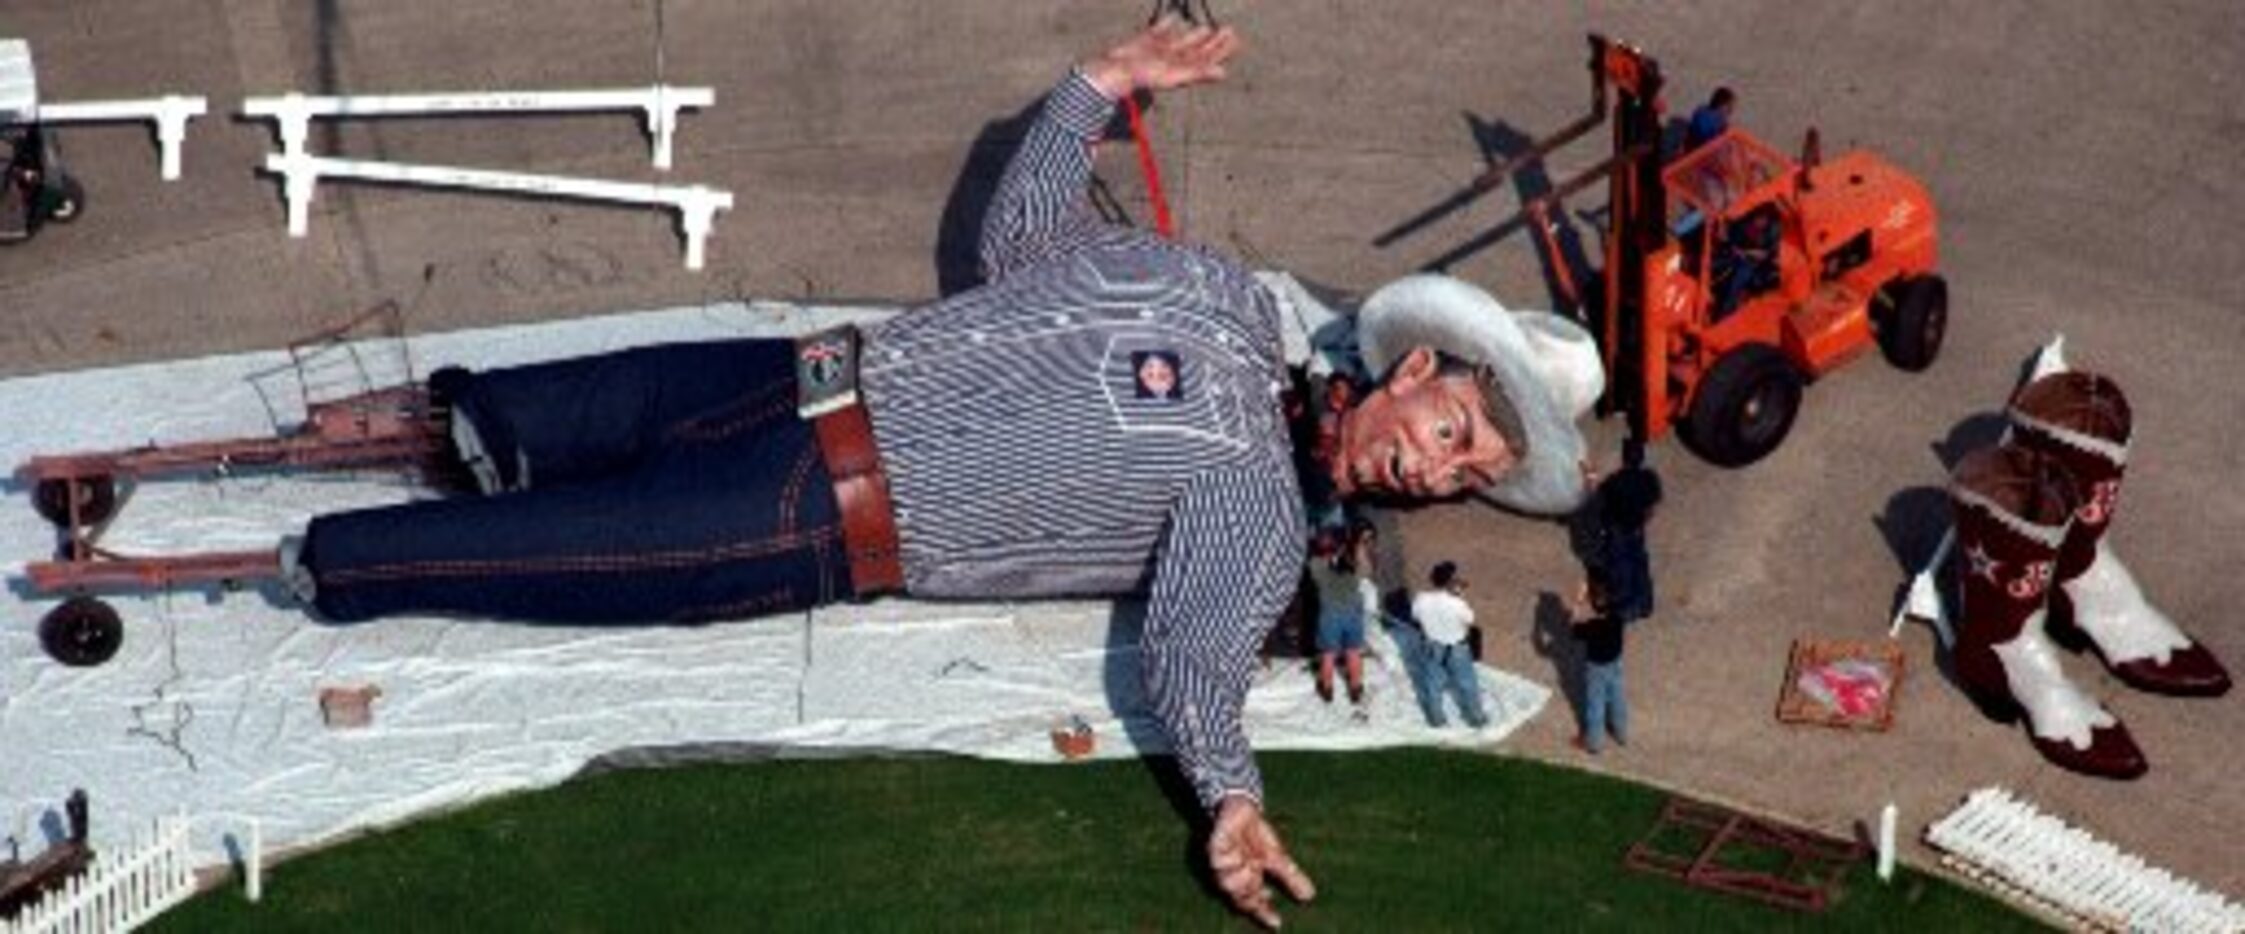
x=1397, y=841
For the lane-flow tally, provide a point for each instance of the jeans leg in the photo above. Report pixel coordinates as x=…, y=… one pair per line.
x=1468, y=682
x=1410, y=649
x=1428, y=684
x=733, y=530
x=1458, y=679
x=569, y=421
x=1617, y=705
x=1594, y=697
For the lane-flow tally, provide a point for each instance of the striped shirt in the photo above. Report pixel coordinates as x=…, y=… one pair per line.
x=1101, y=419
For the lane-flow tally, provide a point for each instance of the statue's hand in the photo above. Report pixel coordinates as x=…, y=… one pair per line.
x=1242, y=850
x=1168, y=54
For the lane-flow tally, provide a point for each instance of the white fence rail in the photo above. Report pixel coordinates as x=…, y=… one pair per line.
x=697, y=205
x=117, y=892
x=660, y=104
x=170, y=114
x=2013, y=847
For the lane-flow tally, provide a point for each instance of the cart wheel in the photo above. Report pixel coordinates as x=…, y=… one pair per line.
x=70, y=203
x=1745, y=406
x=96, y=498
x=1912, y=329
x=82, y=632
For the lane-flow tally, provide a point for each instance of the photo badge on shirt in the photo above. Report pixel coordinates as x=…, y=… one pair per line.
x=1158, y=374
x=1157, y=384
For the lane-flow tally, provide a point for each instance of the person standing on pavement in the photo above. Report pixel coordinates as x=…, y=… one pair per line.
x=1605, y=711
x=1345, y=598
x=1445, y=620
x=1626, y=502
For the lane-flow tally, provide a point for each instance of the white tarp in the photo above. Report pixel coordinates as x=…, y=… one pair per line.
x=211, y=706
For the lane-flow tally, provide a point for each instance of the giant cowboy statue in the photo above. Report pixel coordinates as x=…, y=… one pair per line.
x=1102, y=417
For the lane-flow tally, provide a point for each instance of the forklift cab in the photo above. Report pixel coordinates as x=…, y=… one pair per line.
x=1727, y=213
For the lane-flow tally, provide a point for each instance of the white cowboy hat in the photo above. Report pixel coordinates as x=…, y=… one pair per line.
x=1547, y=368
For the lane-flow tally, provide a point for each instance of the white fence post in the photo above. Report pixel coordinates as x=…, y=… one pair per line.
x=1887, y=816
x=255, y=861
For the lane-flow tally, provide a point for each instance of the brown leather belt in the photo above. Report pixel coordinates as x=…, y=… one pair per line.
x=861, y=489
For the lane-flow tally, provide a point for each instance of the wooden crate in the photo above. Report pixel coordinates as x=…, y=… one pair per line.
x=1796, y=706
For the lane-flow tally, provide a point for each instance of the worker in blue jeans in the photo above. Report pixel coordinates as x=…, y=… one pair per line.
x=1598, y=625
x=1444, y=620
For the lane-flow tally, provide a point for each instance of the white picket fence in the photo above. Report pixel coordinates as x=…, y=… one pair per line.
x=2003, y=842
x=121, y=890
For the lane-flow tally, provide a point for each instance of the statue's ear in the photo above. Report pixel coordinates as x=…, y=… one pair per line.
x=1414, y=368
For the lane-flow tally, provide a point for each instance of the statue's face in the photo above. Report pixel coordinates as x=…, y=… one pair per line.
x=1419, y=435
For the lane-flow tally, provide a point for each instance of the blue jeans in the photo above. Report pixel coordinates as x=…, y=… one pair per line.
x=664, y=484
x=1411, y=644
x=1450, y=670
x=1604, y=710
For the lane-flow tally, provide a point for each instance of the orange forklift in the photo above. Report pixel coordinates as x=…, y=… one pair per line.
x=1734, y=275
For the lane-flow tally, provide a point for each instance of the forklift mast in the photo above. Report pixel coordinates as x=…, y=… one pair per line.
x=1637, y=214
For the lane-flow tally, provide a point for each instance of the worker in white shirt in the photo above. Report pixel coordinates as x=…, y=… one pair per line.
x=1444, y=618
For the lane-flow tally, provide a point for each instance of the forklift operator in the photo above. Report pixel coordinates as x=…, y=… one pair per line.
x=1747, y=263
x=1102, y=418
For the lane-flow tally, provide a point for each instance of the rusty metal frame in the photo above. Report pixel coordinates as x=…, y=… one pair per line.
x=1815, y=863
x=388, y=428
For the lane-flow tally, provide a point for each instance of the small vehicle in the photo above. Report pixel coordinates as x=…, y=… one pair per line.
x=1773, y=274
x=1734, y=275
x=396, y=428
x=35, y=190
x=34, y=187
x=23, y=881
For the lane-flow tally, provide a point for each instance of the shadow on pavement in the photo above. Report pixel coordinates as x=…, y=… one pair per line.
x=1554, y=640
x=958, y=236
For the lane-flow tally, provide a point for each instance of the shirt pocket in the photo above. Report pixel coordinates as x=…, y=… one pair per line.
x=1167, y=385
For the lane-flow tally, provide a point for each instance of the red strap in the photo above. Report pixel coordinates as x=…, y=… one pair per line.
x=1147, y=165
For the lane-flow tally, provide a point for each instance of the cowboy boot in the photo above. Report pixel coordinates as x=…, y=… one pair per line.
x=2012, y=509
x=2082, y=421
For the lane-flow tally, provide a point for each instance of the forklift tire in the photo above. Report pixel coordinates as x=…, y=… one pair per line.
x=97, y=500
x=71, y=204
x=1916, y=319
x=83, y=632
x=1745, y=406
